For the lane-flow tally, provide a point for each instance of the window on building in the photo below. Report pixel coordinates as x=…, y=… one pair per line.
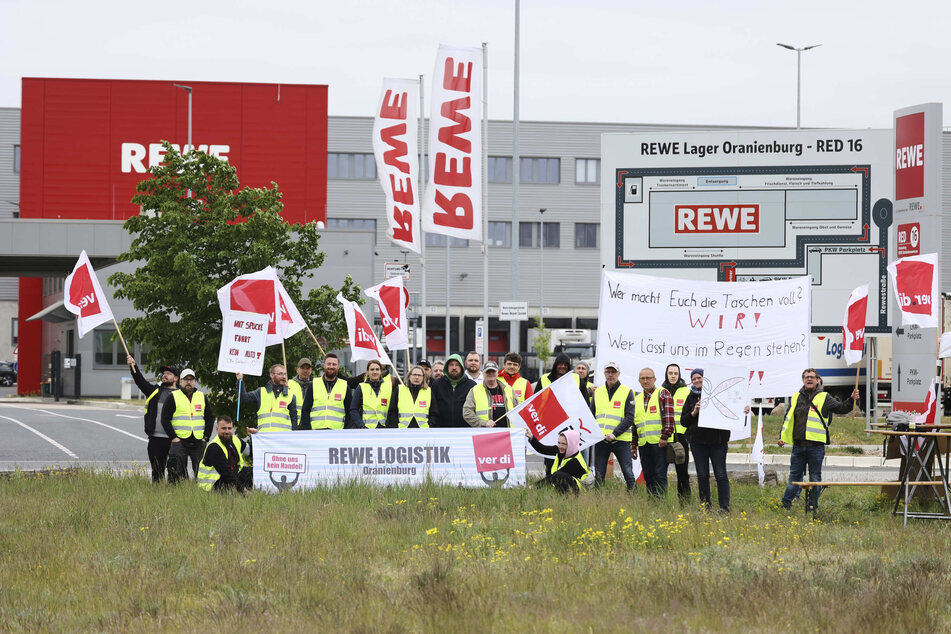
x=500, y=235
x=528, y=234
x=15, y=335
x=540, y=170
x=586, y=235
x=106, y=348
x=353, y=223
x=439, y=240
x=16, y=159
x=588, y=171
x=500, y=169
x=351, y=166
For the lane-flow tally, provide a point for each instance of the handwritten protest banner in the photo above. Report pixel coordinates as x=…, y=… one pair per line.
x=761, y=328
x=243, y=339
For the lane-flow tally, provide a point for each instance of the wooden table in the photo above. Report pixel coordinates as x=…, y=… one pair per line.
x=920, y=471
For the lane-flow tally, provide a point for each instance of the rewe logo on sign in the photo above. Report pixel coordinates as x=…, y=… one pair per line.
x=133, y=155
x=910, y=156
x=716, y=218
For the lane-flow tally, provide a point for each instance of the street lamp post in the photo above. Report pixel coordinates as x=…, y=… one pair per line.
x=798, y=74
x=188, y=89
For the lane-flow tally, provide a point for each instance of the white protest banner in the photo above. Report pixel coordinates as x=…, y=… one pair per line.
x=761, y=328
x=558, y=407
x=724, y=396
x=256, y=292
x=397, y=158
x=853, y=325
x=453, y=202
x=915, y=279
x=473, y=458
x=389, y=296
x=83, y=296
x=364, y=346
x=243, y=339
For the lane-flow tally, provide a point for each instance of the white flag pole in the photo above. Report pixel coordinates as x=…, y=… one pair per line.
x=485, y=201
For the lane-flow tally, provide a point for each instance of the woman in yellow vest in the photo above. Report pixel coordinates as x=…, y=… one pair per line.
x=372, y=406
x=679, y=390
x=414, y=401
x=568, y=469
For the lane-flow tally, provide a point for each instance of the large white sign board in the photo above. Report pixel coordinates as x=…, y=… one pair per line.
x=243, y=339
x=754, y=205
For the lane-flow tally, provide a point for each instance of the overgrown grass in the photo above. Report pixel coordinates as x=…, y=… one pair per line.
x=87, y=552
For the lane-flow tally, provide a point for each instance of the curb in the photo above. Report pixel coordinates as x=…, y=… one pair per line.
x=865, y=462
x=81, y=402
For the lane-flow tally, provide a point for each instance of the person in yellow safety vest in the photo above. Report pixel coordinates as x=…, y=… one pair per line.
x=613, y=409
x=806, y=428
x=488, y=401
x=192, y=421
x=679, y=390
x=521, y=388
x=654, y=420
x=568, y=467
x=222, y=466
x=372, y=405
x=158, y=414
x=275, y=404
x=414, y=401
x=300, y=385
x=330, y=398
x=561, y=367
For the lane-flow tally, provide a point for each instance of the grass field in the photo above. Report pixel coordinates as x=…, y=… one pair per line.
x=87, y=552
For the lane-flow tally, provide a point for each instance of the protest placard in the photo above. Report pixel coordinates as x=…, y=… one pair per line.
x=243, y=339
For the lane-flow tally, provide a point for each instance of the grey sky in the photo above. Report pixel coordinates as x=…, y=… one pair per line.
x=690, y=62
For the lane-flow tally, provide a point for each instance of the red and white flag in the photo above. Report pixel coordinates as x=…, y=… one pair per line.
x=453, y=202
x=558, y=407
x=390, y=298
x=397, y=158
x=853, y=325
x=930, y=414
x=261, y=292
x=291, y=322
x=83, y=296
x=915, y=279
x=364, y=345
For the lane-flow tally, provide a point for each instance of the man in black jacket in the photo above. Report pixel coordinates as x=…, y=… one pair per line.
x=449, y=395
x=159, y=407
x=223, y=459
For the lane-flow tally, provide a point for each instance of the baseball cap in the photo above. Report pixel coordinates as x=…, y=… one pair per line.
x=304, y=361
x=612, y=364
x=424, y=363
x=490, y=366
x=186, y=373
x=170, y=368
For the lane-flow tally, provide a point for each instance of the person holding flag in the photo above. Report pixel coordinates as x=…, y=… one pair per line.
x=414, y=401
x=372, y=405
x=613, y=409
x=275, y=403
x=488, y=401
x=568, y=469
x=158, y=414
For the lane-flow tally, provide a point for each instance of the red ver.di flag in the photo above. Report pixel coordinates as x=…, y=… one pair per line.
x=915, y=280
x=558, y=407
x=364, y=346
x=83, y=296
x=453, y=202
x=853, y=325
x=291, y=322
x=390, y=297
x=397, y=158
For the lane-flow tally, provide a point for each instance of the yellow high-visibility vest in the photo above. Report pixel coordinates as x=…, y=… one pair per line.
x=609, y=412
x=189, y=416
x=648, y=422
x=207, y=475
x=480, y=396
x=274, y=412
x=680, y=396
x=815, y=426
x=557, y=464
x=376, y=405
x=418, y=409
x=328, y=411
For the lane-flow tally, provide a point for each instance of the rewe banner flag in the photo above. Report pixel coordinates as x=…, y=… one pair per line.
x=83, y=296
x=558, y=407
x=915, y=279
x=853, y=325
x=389, y=297
x=261, y=292
x=453, y=202
x=397, y=158
x=364, y=346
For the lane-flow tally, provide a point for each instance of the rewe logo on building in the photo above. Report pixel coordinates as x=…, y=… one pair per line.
x=133, y=156
x=910, y=156
x=716, y=218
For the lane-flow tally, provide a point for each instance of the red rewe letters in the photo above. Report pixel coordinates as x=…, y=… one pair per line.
x=716, y=218
x=395, y=148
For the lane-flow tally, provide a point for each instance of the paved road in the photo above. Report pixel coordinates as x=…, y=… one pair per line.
x=44, y=436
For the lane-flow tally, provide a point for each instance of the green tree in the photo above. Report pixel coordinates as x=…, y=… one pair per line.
x=542, y=343
x=198, y=230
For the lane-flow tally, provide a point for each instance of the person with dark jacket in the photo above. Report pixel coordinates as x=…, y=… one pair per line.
x=449, y=395
x=222, y=467
x=159, y=407
x=192, y=422
x=568, y=469
x=561, y=367
x=709, y=446
x=276, y=406
x=674, y=383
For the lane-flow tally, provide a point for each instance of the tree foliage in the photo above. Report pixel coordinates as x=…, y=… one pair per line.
x=198, y=230
x=542, y=342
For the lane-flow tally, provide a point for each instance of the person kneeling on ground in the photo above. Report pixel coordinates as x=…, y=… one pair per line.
x=222, y=467
x=568, y=470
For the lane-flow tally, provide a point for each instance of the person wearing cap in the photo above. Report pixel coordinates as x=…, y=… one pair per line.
x=192, y=421
x=300, y=385
x=158, y=414
x=414, y=401
x=583, y=370
x=449, y=395
x=521, y=388
x=654, y=426
x=567, y=469
x=275, y=404
x=487, y=402
x=328, y=402
x=372, y=405
x=674, y=383
x=613, y=408
x=427, y=370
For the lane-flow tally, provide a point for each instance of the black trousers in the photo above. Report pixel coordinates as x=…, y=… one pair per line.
x=178, y=456
x=158, y=456
x=244, y=482
x=683, y=476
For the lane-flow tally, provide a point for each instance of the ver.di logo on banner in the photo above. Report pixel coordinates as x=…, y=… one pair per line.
x=493, y=453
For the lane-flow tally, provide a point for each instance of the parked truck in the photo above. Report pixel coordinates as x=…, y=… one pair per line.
x=575, y=342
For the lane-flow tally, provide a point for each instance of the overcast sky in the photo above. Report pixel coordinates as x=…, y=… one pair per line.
x=690, y=62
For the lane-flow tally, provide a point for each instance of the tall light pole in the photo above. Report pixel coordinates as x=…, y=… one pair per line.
x=541, y=244
x=188, y=89
x=798, y=74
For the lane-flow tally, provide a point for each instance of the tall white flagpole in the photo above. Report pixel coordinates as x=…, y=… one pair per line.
x=485, y=200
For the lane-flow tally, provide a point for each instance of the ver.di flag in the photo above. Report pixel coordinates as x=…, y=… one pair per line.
x=915, y=279
x=389, y=297
x=261, y=292
x=364, y=346
x=83, y=296
x=291, y=322
x=558, y=407
x=397, y=159
x=853, y=325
